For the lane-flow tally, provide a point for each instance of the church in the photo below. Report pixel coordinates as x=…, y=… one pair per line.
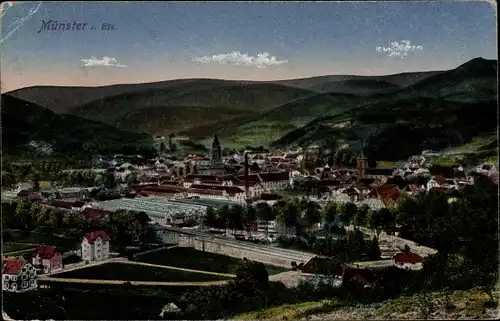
x=216, y=166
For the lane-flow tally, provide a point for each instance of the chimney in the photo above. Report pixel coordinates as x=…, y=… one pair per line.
x=246, y=175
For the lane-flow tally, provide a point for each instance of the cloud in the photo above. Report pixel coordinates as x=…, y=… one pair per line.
x=236, y=58
x=104, y=62
x=399, y=49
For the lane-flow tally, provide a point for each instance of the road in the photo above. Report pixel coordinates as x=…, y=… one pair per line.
x=122, y=282
x=176, y=268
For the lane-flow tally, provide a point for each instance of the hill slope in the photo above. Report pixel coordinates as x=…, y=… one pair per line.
x=257, y=97
x=24, y=122
x=61, y=99
x=332, y=83
x=439, y=101
x=164, y=120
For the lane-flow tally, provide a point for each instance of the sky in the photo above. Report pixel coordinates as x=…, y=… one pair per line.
x=155, y=41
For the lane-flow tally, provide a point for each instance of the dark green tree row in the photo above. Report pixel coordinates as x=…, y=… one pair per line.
x=123, y=227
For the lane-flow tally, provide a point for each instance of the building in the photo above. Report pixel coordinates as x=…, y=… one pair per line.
x=48, y=258
x=18, y=275
x=232, y=193
x=365, y=172
x=95, y=246
x=216, y=152
x=274, y=181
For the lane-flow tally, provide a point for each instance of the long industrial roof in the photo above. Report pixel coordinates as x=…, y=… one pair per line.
x=150, y=205
x=205, y=202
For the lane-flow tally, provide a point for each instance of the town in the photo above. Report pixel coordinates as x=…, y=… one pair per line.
x=282, y=209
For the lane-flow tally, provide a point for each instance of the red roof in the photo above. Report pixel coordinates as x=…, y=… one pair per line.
x=362, y=275
x=315, y=264
x=192, y=177
x=92, y=236
x=439, y=179
x=274, y=177
x=46, y=252
x=228, y=189
x=12, y=266
x=251, y=178
x=24, y=193
x=94, y=213
x=407, y=257
x=62, y=204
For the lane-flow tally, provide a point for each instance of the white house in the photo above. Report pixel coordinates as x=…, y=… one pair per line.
x=48, y=258
x=487, y=169
x=275, y=181
x=95, y=246
x=18, y=275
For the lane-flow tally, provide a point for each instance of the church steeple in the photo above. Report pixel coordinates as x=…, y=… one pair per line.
x=216, y=141
x=361, y=165
x=216, y=150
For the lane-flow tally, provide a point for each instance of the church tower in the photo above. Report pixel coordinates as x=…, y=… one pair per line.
x=216, y=151
x=361, y=165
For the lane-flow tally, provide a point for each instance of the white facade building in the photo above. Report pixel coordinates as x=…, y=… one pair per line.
x=95, y=246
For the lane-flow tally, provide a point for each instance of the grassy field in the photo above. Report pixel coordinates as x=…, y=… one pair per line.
x=386, y=164
x=457, y=305
x=197, y=260
x=131, y=272
x=67, y=302
x=43, y=237
x=15, y=247
x=477, y=144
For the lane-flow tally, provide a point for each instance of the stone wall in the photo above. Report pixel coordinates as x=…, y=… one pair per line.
x=398, y=242
x=271, y=257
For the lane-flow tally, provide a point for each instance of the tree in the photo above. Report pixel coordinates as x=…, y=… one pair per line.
x=287, y=214
x=20, y=214
x=373, y=250
x=330, y=214
x=347, y=212
x=265, y=213
x=210, y=219
x=163, y=148
x=235, y=219
x=380, y=220
x=110, y=180
x=361, y=215
x=312, y=213
x=252, y=275
x=249, y=217
x=356, y=244
x=131, y=179
x=36, y=181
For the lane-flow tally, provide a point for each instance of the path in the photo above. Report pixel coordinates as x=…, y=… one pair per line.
x=176, y=268
x=288, y=278
x=123, y=282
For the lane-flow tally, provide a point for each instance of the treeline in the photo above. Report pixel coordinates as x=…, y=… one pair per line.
x=123, y=227
x=464, y=230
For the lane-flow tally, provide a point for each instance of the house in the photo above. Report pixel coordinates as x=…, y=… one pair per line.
x=94, y=213
x=95, y=246
x=405, y=258
x=232, y=193
x=387, y=193
x=18, y=275
x=365, y=277
x=320, y=269
x=166, y=191
x=435, y=181
x=48, y=258
x=266, y=226
x=275, y=181
x=487, y=169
